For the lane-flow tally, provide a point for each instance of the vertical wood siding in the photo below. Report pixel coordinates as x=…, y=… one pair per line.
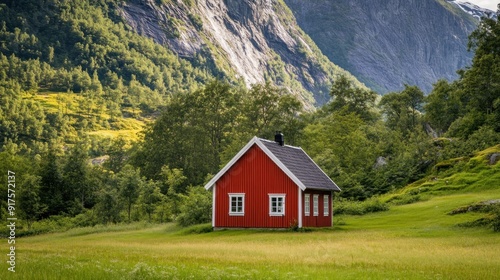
x=257, y=176
x=321, y=220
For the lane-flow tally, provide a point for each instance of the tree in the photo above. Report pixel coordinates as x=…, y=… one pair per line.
x=175, y=140
x=344, y=148
x=217, y=108
x=481, y=82
x=77, y=175
x=190, y=134
x=443, y=106
x=29, y=199
x=129, y=182
x=53, y=191
x=174, y=180
x=108, y=205
x=345, y=96
x=267, y=108
x=117, y=155
x=149, y=197
x=403, y=110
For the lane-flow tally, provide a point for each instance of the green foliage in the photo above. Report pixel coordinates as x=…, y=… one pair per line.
x=108, y=205
x=496, y=219
x=342, y=144
x=402, y=110
x=267, y=108
x=196, y=21
x=129, y=180
x=78, y=176
x=352, y=99
x=197, y=229
x=206, y=123
x=196, y=207
x=149, y=196
x=29, y=199
x=349, y=207
x=443, y=106
x=192, y=126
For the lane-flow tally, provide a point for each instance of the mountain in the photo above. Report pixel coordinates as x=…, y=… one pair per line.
x=474, y=10
x=387, y=44
x=253, y=41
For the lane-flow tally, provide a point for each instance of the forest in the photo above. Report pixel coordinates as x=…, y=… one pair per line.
x=72, y=70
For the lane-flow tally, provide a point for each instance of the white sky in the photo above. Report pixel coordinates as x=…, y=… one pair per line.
x=488, y=4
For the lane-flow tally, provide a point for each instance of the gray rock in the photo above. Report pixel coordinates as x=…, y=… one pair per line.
x=381, y=161
x=494, y=158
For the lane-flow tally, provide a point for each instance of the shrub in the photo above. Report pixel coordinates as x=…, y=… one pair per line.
x=198, y=229
x=359, y=207
x=196, y=207
x=496, y=219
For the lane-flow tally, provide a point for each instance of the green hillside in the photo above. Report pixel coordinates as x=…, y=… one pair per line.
x=458, y=194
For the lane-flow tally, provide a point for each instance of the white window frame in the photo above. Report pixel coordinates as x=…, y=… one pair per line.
x=326, y=205
x=315, y=205
x=236, y=195
x=307, y=204
x=277, y=196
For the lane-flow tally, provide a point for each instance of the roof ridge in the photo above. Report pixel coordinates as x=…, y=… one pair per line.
x=271, y=141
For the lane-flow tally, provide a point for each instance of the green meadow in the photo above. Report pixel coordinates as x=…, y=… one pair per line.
x=415, y=241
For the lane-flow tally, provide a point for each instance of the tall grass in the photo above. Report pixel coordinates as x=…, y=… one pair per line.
x=416, y=241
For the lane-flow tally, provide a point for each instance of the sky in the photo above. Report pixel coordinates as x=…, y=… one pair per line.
x=488, y=4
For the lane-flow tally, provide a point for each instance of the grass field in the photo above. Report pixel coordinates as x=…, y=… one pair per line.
x=415, y=241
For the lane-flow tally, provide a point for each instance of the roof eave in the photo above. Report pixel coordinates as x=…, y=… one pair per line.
x=317, y=166
x=231, y=163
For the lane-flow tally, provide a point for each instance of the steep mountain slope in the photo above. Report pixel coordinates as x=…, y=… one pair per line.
x=254, y=41
x=386, y=44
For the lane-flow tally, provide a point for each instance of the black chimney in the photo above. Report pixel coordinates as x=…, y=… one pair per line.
x=279, y=138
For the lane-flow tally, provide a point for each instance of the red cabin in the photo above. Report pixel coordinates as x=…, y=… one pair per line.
x=271, y=185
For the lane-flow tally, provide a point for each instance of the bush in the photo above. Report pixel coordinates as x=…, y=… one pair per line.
x=196, y=207
x=496, y=219
x=359, y=207
x=198, y=229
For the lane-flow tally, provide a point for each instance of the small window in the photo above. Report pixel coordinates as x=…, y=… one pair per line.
x=315, y=205
x=326, y=201
x=307, y=204
x=276, y=204
x=236, y=204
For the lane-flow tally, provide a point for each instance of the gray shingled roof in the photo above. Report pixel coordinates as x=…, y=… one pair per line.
x=301, y=165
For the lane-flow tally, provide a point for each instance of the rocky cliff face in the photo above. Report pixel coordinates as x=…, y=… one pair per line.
x=252, y=40
x=386, y=44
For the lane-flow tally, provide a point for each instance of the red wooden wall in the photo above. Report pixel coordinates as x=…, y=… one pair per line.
x=321, y=220
x=256, y=175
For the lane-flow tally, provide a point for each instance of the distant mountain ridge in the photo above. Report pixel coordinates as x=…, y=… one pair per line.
x=387, y=44
x=474, y=10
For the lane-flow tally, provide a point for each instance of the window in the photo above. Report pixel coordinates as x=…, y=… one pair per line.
x=326, y=201
x=276, y=204
x=236, y=204
x=315, y=205
x=307, y=204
